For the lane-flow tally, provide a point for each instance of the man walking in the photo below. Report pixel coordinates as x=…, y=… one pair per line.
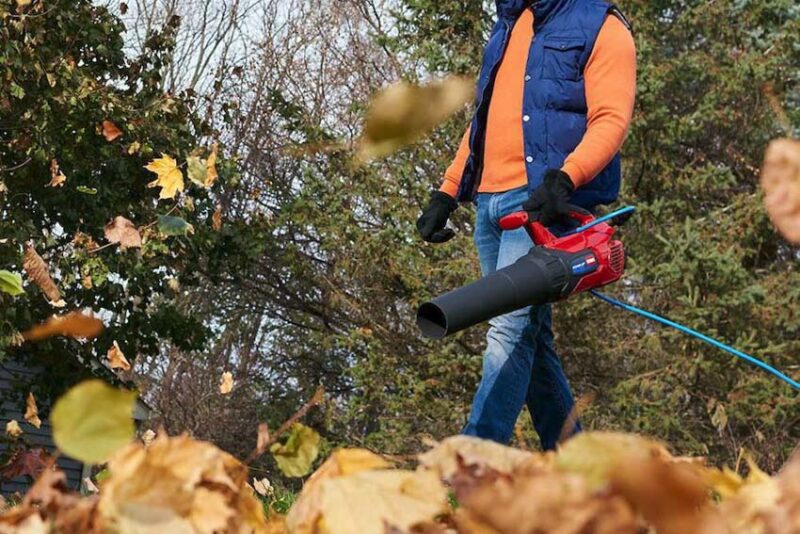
x=555, y=98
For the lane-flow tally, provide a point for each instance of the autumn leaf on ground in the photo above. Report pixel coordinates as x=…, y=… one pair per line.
x=216, y=219
x=172, y=226
x=403, y=112
x=780, y=179
x=170, y=177
x=116, y=358
x=226, y=383
x=13, y=429
x=11, y=283
x=296, y=456
x=32, y=411
x=57, y=178
x=124, y=232
x=306, y=511
x=93, y=420
x=74, y=324
x=372, y=501
x=38, y=272
x=110, y=131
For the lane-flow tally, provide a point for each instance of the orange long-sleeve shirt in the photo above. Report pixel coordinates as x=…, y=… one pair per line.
x=610, y=77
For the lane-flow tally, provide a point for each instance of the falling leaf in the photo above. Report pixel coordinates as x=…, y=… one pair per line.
x=38, y=272
x=170, y=177
x=74, y=324
x=173, y=284
x=13, y=429
x=26, y=462
x=226, y=383
x=262, y=487
x=57, y=178
x=84, y=241
x=134, y=147
x=171, y=226
x=93, y=420
x=263, y=438
x=122, y=231
x=296, y=456
x=117, y=359
x=11, y=283
x=196, y=170
x=32, y=411
x=403, y=112
x=110, y=131
x=780, y=179
x=720, y=417
x=216, y=219
x=148, y=436
x=86, y=282
x=211, y=167
x=369, y=501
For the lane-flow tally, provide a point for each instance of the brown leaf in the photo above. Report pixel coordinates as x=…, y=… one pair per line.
x=110, y=131
x=216, y=219
x=124, y=232
x=780, y=179
x=117, y=359
x=211, y=166
x=456, y=452
x=32, y=411
x=27, y=462
x=73, y=324
x=84, y=241
x=39, y=274
x=57, y=178
x=263, y=440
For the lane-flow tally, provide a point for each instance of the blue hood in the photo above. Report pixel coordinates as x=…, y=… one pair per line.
x=542, y=9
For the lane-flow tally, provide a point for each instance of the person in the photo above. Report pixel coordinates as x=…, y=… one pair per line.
x=554, y=101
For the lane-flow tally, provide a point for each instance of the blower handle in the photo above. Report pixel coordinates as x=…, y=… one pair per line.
x=536, y=230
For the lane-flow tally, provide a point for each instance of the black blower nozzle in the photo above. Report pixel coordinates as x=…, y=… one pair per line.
x=540, y=277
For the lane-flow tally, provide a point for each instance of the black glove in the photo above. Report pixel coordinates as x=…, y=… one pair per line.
x=549, y=203
x=431, y=224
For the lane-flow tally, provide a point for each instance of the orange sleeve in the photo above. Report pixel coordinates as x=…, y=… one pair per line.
x=610, y=93
x=453, y=174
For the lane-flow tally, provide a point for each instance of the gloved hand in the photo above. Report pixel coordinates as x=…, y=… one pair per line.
x=549, y=203
x=431, y=224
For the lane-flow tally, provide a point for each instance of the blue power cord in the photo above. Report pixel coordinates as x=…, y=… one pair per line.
x=694, y=333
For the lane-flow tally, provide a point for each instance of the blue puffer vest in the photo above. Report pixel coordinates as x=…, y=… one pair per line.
x=554, y=104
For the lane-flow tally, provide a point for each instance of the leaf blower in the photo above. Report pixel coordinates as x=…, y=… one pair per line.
x=584, y=259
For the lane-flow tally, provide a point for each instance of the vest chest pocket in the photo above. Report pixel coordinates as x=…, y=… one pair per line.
x=562, y=58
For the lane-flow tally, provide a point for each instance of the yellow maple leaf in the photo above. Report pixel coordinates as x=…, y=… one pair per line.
x=32, y=411
x=170, y=177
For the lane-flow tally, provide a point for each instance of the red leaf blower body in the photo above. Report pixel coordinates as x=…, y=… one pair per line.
x=554, y=269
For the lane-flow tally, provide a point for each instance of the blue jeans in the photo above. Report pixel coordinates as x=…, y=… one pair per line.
x=520, y=365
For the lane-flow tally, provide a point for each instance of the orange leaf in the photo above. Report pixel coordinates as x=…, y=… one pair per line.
x=216, y=219
x=117, y=359
x=32, y=411
x=37, y=270
x=73, y=324
x=124, y=232
x=110, y=131
x=57, y=178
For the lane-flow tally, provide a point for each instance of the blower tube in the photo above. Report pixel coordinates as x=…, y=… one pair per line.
x=540, y=277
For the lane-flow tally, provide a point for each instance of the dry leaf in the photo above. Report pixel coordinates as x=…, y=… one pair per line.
x=403, y=112
x=780, y=179
x=226, y=383
x=170, y=177
x=211, y=167
x=117, y=359
x=148, y=436
x=449, y=456
x=84, y=241
x=216, y=219
x=32, y=411
x=306, y=510
x=57, y=178
x=37, y=271
x=90, y=486
x=122, y=231
x=74, y=324
x=263, y=439
x=369, y=501
x=13, y=429
x=296, y=456
x=110, y=131
x=262, y=487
